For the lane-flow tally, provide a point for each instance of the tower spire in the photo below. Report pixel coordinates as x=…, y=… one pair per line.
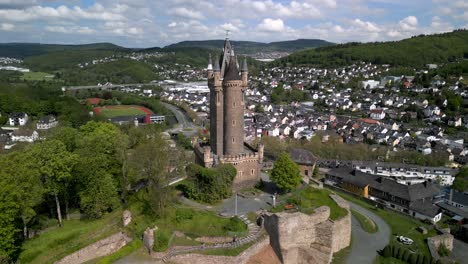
x=210, y=63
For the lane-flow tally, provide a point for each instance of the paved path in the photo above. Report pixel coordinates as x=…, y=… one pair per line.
x=460, y=251
x=365, y=245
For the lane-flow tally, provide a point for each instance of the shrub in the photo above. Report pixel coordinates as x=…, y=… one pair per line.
x=161, y=240
x=387, y=253
x=234, y=225
x=183, y=214
x=443, y=250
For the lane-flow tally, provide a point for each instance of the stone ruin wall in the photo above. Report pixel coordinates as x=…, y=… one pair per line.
x=293, y=237
x=101, y=248
x=434, y=242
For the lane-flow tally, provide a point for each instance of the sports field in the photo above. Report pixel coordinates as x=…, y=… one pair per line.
x=112, y=111
x=37, y=76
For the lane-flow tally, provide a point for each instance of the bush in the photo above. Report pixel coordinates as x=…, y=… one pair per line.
x=443, y=250
x=234, y=225
x=183, y=214
x=161, y=240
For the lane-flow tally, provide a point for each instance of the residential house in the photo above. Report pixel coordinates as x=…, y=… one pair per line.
x=377, y=114
x=18, y=119
x=306, y=162
x=47, y=122
x=416, y=200
x=24, y=135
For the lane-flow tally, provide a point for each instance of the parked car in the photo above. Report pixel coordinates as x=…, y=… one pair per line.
x=405, y=240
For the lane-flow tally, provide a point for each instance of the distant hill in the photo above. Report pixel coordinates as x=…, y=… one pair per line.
x=249, y=47
x=23, y=50
x=413, y=52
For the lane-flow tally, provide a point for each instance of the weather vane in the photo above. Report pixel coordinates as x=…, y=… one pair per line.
x=227, y=33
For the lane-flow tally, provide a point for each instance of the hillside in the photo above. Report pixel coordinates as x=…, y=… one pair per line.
x=23, y=50
x=415, y=51
x=248, y=47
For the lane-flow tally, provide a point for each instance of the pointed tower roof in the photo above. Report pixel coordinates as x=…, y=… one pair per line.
x=225, y=56
x=232, y=72
x=216, y=65
x=210, y=64
x=244, y=65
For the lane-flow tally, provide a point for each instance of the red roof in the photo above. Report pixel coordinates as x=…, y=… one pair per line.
x=93, y=101
x=368, y=121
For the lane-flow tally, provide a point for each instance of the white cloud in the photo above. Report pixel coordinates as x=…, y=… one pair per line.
x=409, y=23
x=7, y=27
x=95, y=12
x=186, y=13
x=230, y=27
x=365, y=25
x=70, y=30
x=271, y=25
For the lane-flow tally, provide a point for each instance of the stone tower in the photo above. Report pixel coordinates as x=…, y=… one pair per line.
x=227, y=84
x=227, y=104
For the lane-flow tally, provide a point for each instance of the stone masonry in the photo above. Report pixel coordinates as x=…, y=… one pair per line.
x=227, y=86
x=101, y=248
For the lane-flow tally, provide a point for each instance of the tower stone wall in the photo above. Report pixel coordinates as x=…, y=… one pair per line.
x=227, y=85
x=233, y=117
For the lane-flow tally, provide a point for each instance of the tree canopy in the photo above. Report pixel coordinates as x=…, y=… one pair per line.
x=285, y=173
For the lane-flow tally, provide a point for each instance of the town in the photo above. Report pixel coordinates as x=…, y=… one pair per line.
x=263, y=132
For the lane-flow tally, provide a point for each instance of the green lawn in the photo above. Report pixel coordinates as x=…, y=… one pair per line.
x=58, y=242
x=37, y=76
x=400, y=225
x=365, y=222
x=308, y=199
x=193, y=222
x=115, y=112
x=131, y=247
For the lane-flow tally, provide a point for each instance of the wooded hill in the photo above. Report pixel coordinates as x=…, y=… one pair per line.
x=413, y=52
x=249, y=47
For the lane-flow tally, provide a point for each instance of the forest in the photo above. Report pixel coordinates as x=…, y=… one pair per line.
x=414, y=52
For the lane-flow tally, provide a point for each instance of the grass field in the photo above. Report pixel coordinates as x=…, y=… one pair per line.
x=121, y=110
x=37, y=76
x=58, y=242
x=365, y=222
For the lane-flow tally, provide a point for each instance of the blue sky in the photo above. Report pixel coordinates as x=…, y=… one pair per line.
x=148, y=23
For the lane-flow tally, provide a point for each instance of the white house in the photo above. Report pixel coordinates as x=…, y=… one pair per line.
x=377, y=114
x=47, y=122
x=371, y=84
x=24, y=135
x=18, y=119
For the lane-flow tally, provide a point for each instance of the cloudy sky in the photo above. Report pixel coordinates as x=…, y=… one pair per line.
x=148, y=23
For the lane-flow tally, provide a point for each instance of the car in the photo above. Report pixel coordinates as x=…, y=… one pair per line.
x=405, y=240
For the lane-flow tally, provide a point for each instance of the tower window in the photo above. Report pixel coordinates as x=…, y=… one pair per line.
x=233, y=122
x=234, y=104
x=252, y=172
x=233, y=140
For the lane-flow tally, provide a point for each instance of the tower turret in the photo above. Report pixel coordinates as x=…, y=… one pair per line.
x=244, y=73
x=209, y=68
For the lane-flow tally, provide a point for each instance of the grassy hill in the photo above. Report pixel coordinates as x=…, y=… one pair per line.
x=415, y=51
x=248, y=47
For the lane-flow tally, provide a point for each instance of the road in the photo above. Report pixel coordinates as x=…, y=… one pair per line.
x=365, y=245
x=460, y=251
